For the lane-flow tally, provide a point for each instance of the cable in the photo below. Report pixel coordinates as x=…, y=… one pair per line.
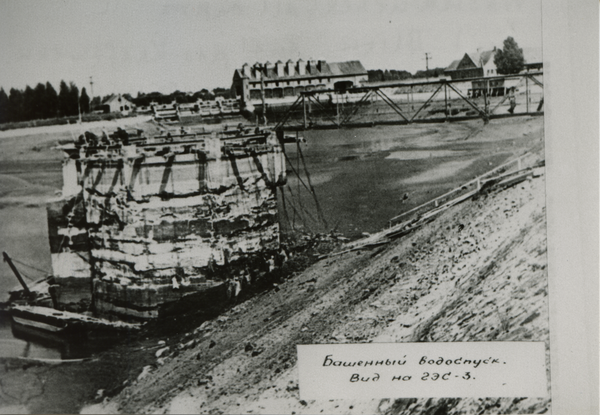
x=304, y=209
x=319, y=211
x=295, y=172
x=285, y=213
x=31, y=266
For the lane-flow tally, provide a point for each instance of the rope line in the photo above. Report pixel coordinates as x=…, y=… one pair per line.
x=285, y=212
x=304, y=209
x=31, y=266
x=312, y=189
x=299, y=212
x=295, y=172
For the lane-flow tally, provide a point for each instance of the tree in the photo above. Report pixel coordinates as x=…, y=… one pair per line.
x=3, y=106
x=204, y=94
x=15, y=102
x=430, y=73
x=28, y=104
x=50, y=102
x=73, y=99
x=222, y=92
x=400, y=75
x=84, y=101
x=63, y=99
x=375, y=75
x=96, y=103
x=39, y=96
x=509, y=60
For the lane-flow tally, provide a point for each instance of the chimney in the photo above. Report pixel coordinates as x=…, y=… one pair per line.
x=301, y=67
x=312, y=65
x=321, y=66
x=290, y=67
x=279, y=68
x=257, y=68
x=246, y=70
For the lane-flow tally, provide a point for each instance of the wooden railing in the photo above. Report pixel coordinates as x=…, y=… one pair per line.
x=475, y=184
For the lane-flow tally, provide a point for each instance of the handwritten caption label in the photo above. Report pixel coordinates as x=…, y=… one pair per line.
x=436, y=370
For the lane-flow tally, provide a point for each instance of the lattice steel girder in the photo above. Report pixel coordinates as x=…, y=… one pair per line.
x=311, y=98
x=289, y=112
x=468, y=101
x=356, y=106
x=535, y=80
x=368, y=90
x=426, y=102
x=442, y=81
x=391, y=103
x=500, y=103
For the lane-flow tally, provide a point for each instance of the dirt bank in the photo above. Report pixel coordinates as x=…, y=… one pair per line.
x=476, y=273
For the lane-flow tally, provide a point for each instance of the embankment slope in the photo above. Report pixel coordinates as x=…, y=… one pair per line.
x=476, y=273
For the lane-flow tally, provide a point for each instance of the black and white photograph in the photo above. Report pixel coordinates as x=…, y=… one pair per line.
x=277, y=207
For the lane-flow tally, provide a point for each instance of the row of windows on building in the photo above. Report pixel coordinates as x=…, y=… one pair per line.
x=469, y=73
x=474, y=73
x=299, y=82
x=284, y=92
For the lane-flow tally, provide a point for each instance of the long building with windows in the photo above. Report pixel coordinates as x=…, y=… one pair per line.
x=285, y=81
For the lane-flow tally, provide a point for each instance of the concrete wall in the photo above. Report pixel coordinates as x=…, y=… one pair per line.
x=69, y=252
x=148, y=220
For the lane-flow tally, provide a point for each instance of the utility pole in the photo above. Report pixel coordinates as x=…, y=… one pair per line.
x=427, y=57
x=92, y=94
x=262, y=97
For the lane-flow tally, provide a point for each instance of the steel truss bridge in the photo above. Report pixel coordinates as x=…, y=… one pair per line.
x=421, y=102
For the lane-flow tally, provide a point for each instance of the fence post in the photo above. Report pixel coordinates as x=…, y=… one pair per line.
x=304, y=107
x=527, y=93
x=446, y=100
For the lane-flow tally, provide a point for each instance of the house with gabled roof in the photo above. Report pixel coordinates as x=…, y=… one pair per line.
x=473, y=65
x=118, y=103
x=481, y=65
x=281, y=80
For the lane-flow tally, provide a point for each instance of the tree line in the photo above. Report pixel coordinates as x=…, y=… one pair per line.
x=42, y=102
x=144, y=99
x=379, y=75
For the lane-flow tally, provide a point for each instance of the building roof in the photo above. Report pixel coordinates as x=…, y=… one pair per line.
x=115, y=97
x=347, y=68
x=471, y=60
x=480, y=59
x=319, y=68
x=453, y=65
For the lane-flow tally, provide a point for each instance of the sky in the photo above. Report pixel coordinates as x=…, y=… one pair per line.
x=129, y=46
